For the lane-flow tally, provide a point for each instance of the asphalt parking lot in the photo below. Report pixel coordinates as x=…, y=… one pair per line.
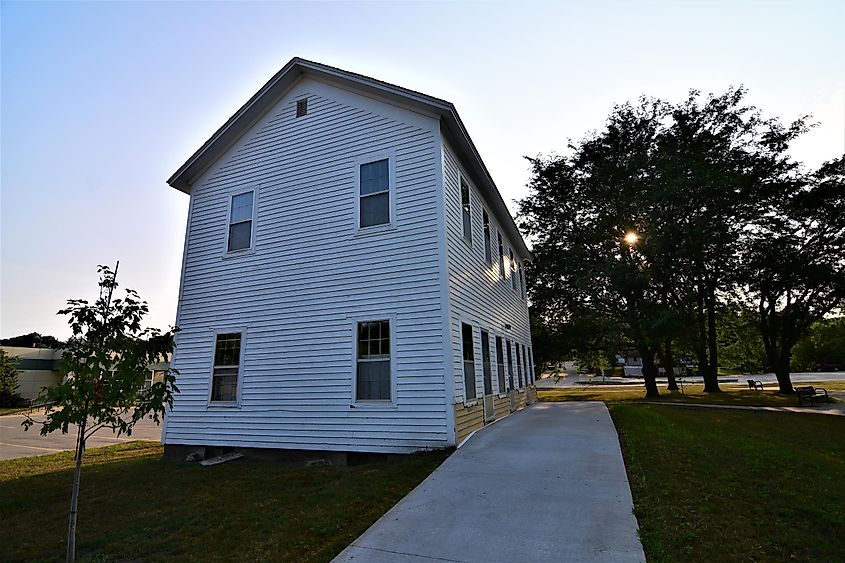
x=15, y=442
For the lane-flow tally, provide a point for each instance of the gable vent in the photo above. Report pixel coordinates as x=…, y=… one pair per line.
x=301, y=107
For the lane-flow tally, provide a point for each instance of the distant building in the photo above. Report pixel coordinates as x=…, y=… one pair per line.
x=39, y=368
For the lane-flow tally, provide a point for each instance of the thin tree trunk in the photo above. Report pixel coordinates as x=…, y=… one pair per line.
x=711, y=376
x=669, y=366
x=700, y=345
x=650, y=373
x=74, y=495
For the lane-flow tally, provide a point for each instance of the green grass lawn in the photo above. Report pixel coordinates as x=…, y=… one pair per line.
x=12, y=410
x=136, y=506
x=725, y=485
x=732, y=395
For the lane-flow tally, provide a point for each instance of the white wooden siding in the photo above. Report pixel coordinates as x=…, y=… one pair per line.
x=309, y=274
x=477, y=294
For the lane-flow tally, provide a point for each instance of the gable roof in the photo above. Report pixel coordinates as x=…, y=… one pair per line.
x=269, y=94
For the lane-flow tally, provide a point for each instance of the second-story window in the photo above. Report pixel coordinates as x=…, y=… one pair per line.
x=240, y=221
x=374, y=194
x=521, y=282
x=488, y=253
x=501, y=254
x=466, y=211
x=513, y=268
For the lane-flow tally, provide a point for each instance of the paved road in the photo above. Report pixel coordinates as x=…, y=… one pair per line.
x=545, y=484
x=15, y=442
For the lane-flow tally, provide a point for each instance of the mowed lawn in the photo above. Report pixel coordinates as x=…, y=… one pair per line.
x=728, y=485
x=136, y=506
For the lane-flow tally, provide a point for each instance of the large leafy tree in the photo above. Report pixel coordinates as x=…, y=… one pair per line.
x=33, y=340
x=823, y=347
x=795, y=254
x=740, y=344
x=105, y=364
x=647, y=221
x=589, y=215
x=719, y=164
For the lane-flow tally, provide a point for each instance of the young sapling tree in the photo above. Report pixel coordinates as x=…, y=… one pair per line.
x=104, y=365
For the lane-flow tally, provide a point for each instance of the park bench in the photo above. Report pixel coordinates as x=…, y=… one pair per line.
x=755, y=385
x=811, y=393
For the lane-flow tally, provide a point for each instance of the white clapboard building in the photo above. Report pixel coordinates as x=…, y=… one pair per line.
x=352, y=280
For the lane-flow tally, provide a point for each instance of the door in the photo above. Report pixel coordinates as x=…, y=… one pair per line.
x=489, y=412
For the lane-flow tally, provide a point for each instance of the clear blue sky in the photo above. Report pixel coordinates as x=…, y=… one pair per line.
x=101, y=102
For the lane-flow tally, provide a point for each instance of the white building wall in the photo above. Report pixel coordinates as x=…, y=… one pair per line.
x=478, y=295
x=310, y=276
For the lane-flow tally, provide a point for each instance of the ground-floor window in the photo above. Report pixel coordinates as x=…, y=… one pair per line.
x=510, y=364
x=519, y=364
x=529, y=377
x=372, y=378
x=531, y=361
x=227, y=365
x=500, y=364
x=485, y=362
x=469, y=362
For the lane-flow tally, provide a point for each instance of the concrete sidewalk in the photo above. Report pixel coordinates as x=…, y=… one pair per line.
x=545, y=484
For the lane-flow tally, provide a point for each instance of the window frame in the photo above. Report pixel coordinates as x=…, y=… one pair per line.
x=466, y=235
x=519, y=362
x=369, y=158
x=231, y=194
x=210, y=404
x=373, y=403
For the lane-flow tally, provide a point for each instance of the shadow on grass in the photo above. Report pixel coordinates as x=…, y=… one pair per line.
x=692, y=394
x=134, y=505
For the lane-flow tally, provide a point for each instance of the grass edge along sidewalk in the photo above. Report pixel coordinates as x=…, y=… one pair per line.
x=717, y=485
x=134, y=505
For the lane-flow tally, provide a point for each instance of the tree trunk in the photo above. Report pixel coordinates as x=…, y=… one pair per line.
x=649, y=374
x=74, y=495
x=782, y=369
x=711, y=375
x=669, y=366
x=784, y=381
